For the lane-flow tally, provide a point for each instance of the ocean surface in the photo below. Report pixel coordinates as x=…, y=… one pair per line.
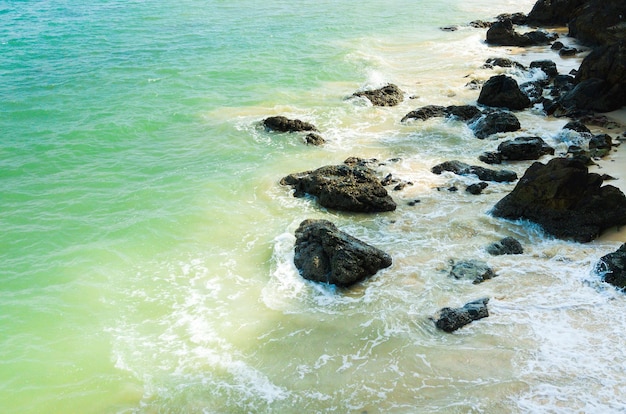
x=146, y=245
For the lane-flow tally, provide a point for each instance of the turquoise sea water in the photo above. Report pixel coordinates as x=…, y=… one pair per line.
x=145, y=241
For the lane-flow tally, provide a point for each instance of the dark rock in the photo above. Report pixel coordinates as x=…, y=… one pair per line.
x=502, y=34
x=507, y=245
x=600, y=145
x=475, y=270
x=327, y=255
x=599, y=22
x=476, y=189
x=491, y=157
x=518, y=18
x=503, y=91
x=607, y=63
x=612, y=267
x=451, y=319
x=389, y=95
x=283, y=124
x=595, y=95
x=568, y=51
x=314, y=139
x=484, y=174
x=414, y=202
x=343, y=187
x=449, y=28
x=462, y=112
x=503, y=63
x=553, y=12
x=577, y=126
x=562, y=84
x=565, y=199
x=557, y=45
x=453, y=189
x=480, y=24
x=547, y=66
x=524, y=148
x=494, y=122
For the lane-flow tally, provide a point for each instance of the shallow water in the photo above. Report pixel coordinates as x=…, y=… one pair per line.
x=147, y=245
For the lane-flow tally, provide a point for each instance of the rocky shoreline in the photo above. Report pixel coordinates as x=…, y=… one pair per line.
x=562, y=196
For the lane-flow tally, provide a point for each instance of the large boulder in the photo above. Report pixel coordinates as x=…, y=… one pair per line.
x=495, y=122
x=553, y=12
x=451, y=319
x=565, y=199
x=325, y=254
x=595, y=95
x=343, y=187
x=283, y=124
x=503, y=91
x=388, y=95
x=524, y=148
x=484, y=174
x=502, y=33
x=613, y=267
x=599, y=22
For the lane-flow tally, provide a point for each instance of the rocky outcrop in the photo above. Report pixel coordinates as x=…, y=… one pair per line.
x=565, y=199
x=314, y=139
x=388, y=95
x=484, y=174
x=451, y=319
x=475, y=270
x=343, y=187
x=524, y=148
x=547, y=66
x=284, y=124
x=553, y=12
x=507, y=245
x=502, y=91
x=599, y=22
x=325, y=254
x=502, y=33
x=495, y=122
x=461, y=112
x=612, y=267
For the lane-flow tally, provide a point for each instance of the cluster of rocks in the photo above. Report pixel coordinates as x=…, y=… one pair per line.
x=562, y=196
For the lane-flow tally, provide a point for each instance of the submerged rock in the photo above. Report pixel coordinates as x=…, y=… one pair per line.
x=461, y=112
x=284, y=124
x=451, y=319
x=507, y=245
x=388, y=95
x=502, y=33
x=613, y=267
x=565, y=199
x=314, y=139
x=343, y=187
x=484, y=174
x=326, y=254
x=475, y=270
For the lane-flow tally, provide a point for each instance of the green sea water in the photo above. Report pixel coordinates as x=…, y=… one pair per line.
x=146, y=245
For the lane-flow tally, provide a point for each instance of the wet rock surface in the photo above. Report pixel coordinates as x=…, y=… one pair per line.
x=451, y=319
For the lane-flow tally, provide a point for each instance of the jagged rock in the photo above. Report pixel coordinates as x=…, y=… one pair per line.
x=388, y=95
x=475, y=270
x=503, y=91
x=524, y=148
x=577, y=126
x=613, y=267
x=477, y=188
x=553, y=12
x=503, y=63
x=534, y=90
x=461, y=112
x=494, y=122
x=484, y=174
x=507, y=245
x=325, y=254
x=595, y=95
x=502, y=33
x=568, y=51
x=451, y=319
x=565, y=199
x=599, y=22
x=518, y=18
x=284, y=124
x=343, y=187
